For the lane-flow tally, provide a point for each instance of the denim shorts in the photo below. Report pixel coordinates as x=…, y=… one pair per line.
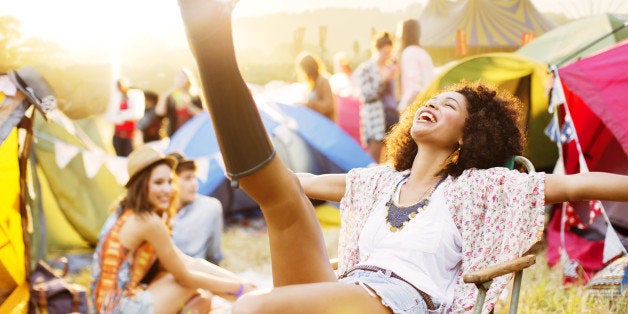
x=395, y=294
x=141, y=303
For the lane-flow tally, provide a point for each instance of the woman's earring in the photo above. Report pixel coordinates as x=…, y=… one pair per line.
x=453, y=159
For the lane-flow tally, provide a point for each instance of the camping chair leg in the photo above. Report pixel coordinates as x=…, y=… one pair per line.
x=479, y=302
x=516, y=286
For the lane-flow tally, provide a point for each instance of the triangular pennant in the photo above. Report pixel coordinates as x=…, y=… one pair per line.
x=202, y=168
x=6, y=86
x=557, y=96
x=570, y=268
x=595, y=209
x=612, y=245
x=563, y=255
x=552, y=131
x=92, y=161
x=583, y=163
x=559, y=167
x=59, y=117
x=64, y=153
x=572, y=219
x=117, y=167
x=567, y=132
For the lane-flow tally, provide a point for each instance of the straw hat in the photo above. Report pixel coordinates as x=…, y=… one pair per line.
x=143, y=157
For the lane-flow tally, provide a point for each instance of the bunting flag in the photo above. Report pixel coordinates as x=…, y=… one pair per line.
x=612, y=245
x=7, y=87
x=552, y=131
x=92, y=161
x=559, y=167
x=117, y=167
x=595, y=209
x=567, y=132
x=557, y=96
x=58, y=117
x=64, y=153
x=570, y=267
x=571, y=219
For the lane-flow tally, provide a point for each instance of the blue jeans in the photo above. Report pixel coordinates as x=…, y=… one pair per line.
x=395, y=294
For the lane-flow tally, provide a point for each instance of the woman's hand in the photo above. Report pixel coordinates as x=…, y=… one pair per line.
x=249, y=286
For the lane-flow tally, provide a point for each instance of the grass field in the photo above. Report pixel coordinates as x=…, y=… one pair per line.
x=247, y=252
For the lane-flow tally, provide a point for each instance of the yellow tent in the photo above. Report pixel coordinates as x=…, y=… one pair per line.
x=73, y=197
x=14, y=292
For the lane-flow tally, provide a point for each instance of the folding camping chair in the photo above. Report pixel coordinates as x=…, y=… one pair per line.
x=484, y=277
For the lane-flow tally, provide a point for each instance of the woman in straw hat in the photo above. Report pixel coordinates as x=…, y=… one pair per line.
x=136, y=267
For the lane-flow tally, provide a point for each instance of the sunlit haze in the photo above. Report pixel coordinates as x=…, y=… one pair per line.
x=77, y=22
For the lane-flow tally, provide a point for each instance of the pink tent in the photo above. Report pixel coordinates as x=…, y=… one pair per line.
x=596, y=93
x=348, y=104
x=349, y=115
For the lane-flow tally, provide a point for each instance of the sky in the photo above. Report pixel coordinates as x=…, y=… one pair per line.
x=75, y=22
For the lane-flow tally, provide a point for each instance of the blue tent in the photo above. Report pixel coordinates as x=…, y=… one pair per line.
x=305, y=141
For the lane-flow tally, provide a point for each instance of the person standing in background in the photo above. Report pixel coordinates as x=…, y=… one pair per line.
x=125, y=108
x=197, y=225
x=320, y=97
x=150, y=124
x=375, y=78
x=417, y=68
x=181, y=102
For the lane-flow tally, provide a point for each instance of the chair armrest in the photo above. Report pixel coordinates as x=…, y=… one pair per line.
x=488, y=273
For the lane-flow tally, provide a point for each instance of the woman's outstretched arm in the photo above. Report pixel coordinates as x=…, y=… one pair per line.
x=326, y=187
x=586, y=186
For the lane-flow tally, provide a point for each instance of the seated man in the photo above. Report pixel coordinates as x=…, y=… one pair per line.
x=197, y=225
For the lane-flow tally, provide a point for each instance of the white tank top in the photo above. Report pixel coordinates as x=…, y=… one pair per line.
x=427, y=252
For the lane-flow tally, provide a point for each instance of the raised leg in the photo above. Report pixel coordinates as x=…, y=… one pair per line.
x=298, y=250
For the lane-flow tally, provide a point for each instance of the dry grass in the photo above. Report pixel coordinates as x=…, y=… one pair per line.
x=542, y=289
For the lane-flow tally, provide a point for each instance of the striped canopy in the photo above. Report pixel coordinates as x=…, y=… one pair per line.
x=486, y=23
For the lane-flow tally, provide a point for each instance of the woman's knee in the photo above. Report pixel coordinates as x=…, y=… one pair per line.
x=199, y=303
x=166, y=289
x=248, y=304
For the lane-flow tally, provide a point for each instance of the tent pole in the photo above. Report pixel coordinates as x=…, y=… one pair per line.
x=27, y=124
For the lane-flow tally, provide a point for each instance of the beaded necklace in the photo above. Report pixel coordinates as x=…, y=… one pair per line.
x=399, y=217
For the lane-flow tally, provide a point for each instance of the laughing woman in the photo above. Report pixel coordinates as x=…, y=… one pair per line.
x=136, y=239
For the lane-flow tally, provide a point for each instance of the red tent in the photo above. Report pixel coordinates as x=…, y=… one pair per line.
x=596, y=93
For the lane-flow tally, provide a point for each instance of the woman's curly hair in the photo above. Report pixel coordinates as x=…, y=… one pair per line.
x=491, y=134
